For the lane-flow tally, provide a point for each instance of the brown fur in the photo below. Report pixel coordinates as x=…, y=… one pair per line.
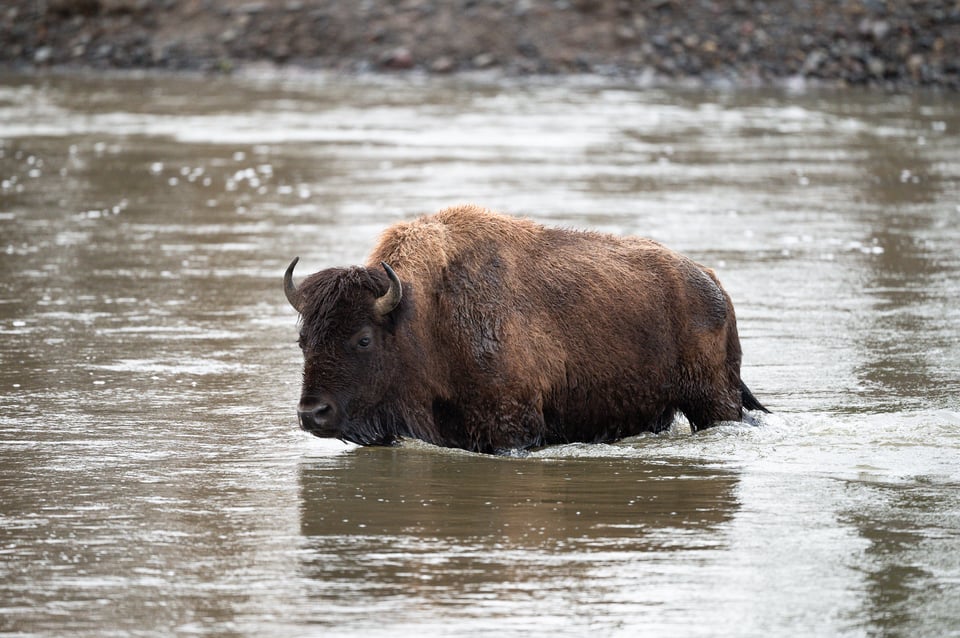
x=512, y=335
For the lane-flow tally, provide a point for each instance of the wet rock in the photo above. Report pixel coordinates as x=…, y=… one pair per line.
x=484, y=61
x=443, y=64
x=42, y=55
x=528, y=49
x=67, y=8
x=397, y=59
x=813, y=61
x=252, y=8
x=522, y=8
x=876, y=67
x=281, y=53
x=587, y=6
x=876, y=29
x=626, y=33
x=125, y=6
x=915, y=65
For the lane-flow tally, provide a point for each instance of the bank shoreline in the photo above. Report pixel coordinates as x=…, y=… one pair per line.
x=750, y=43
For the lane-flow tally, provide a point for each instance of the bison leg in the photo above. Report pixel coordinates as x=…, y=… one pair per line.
x=716, y=404
x=664, y=421
x=705, y=417
x=506, y=427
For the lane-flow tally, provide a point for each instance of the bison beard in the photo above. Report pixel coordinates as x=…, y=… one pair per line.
x=480, y=331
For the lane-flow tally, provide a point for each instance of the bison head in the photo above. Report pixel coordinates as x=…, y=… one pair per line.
x=348, y=339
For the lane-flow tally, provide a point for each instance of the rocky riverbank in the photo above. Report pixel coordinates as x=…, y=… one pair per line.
x=894, y=44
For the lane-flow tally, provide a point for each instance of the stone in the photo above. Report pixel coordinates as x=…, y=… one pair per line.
x=397, y=59
x=252, y=8
x=42, y=55
x=443, y=64
x=484, y=61
x=915, y=64
x=626, y=33
x=814, y=59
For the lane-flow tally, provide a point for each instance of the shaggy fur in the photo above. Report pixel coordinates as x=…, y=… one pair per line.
x=514, y=335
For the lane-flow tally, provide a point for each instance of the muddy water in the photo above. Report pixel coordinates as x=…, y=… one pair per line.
x=153, y=480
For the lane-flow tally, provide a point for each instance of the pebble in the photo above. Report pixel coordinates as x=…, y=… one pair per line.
x=484, y=61
x=42, y=55
x=397, y=59
x=443, y=64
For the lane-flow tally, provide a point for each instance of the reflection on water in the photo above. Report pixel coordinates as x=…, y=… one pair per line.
x=482, y=540
x=905, y=275
x=152, y=479
x=904, y=582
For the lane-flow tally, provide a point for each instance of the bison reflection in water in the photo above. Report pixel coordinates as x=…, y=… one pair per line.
x=476, y=330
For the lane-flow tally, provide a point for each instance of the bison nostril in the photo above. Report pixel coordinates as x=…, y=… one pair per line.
x=315, y=414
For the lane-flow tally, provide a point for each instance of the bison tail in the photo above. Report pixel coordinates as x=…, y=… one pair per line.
x=749, y=401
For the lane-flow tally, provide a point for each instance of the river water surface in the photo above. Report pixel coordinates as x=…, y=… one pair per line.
x=153, y=480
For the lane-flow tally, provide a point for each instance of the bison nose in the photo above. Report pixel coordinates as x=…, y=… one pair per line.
x=317, y=416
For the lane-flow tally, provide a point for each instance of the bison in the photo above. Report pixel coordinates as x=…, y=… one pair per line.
x=476, y=330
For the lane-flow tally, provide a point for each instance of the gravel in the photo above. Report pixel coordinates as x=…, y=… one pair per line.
x=896, y=44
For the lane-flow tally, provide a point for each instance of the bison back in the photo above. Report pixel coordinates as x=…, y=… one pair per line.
x=578, y=335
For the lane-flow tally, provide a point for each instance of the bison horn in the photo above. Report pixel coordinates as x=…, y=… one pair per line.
x=390, y=299
x=290, y=288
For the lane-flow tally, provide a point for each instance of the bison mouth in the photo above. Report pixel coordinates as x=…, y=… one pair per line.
x=361, y=434
x=323, y=430
x=320, y=431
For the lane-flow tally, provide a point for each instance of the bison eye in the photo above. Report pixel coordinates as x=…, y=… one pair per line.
x=361, y=340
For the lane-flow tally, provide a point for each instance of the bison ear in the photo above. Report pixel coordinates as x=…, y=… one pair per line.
x=388, y=302
x=290, y=288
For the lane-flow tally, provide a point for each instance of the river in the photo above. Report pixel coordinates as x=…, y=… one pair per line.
x=153, y=480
